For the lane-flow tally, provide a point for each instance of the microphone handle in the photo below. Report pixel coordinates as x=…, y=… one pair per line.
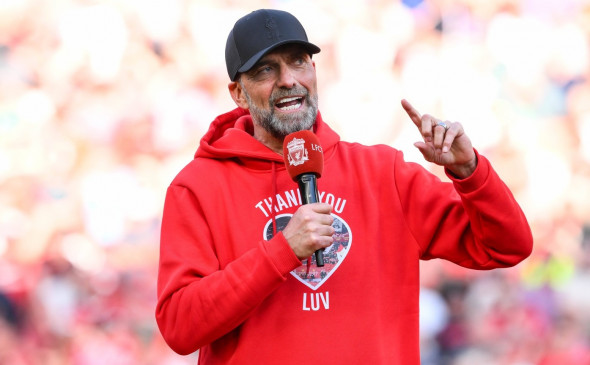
x=308, y=188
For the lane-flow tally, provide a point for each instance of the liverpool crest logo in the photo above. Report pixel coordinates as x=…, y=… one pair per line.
x=297, y=152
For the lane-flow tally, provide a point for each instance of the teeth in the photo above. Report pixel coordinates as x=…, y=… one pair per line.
x=288, y=100
x=291, y=107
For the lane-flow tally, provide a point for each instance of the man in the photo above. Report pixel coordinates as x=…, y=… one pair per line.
x=236, y=277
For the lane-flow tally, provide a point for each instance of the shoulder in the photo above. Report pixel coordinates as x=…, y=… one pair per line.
x=378, y=152
x=198, y=170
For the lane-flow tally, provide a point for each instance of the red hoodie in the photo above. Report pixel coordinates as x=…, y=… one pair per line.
x=230, y=287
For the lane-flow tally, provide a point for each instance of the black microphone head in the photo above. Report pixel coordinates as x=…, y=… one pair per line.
x=303, y=154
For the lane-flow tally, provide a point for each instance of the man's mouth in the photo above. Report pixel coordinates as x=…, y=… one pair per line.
x=291, y=103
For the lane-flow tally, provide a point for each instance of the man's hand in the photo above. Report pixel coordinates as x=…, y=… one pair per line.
x=310, y=229
x=445, y=143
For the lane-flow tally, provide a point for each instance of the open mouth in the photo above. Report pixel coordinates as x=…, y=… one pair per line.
x=291, y=103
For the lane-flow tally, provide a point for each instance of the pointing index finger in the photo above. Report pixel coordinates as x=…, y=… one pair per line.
x=412, y=113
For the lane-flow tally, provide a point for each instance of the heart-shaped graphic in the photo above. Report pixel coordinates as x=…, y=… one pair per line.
x=333, y=255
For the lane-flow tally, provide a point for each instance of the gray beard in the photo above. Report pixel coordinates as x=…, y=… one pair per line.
x=281, y=126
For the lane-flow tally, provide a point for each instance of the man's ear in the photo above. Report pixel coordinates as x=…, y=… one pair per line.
x=237, y=93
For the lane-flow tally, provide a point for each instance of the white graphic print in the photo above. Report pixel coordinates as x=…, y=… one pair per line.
x=297, y=153
x=333, y=255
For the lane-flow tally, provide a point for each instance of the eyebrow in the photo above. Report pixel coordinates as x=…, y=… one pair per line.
x=292, y=53
x=262, y=62
x=267, y=60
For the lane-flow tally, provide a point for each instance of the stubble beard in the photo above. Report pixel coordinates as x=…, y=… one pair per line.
x=280, y=126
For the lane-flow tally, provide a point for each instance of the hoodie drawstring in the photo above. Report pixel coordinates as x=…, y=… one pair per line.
x=274, y=213
x=274, y=194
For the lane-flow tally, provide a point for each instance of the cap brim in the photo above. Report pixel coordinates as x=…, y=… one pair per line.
x=312, y=48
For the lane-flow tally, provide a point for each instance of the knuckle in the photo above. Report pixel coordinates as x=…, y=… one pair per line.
x=314, y=239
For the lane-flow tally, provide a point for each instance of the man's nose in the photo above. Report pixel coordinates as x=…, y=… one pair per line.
x=286, y=78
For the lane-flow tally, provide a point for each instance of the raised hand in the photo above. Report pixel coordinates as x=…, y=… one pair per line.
x=445, y=143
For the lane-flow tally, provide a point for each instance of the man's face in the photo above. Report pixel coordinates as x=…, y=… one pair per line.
x=281, y=91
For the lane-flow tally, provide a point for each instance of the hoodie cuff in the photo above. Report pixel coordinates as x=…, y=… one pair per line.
x=476, y=180
x=281, y=254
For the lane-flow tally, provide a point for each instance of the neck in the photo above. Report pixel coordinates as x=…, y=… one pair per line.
x=267, y=139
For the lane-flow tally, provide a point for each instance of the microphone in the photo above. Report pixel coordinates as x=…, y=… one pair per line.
x=304, y=159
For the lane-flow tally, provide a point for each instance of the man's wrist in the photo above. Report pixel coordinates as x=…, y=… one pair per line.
x=463, y=171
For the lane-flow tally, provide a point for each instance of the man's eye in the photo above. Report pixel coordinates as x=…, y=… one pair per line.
x=264, y=70
x=299, y=61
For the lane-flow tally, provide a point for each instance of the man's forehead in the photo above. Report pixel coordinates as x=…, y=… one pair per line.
x=284, y=50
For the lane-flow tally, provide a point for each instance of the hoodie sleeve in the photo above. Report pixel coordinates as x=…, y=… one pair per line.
x=474, y=222
x=197, y=301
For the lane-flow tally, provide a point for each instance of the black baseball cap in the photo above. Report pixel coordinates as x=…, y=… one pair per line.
x=258, y=33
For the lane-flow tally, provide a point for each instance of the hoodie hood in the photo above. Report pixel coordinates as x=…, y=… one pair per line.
x=230, y=136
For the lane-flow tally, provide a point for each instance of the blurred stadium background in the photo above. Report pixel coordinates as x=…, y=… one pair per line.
x=102, y=103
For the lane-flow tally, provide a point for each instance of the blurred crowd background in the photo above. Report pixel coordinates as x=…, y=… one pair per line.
x=102, y=103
